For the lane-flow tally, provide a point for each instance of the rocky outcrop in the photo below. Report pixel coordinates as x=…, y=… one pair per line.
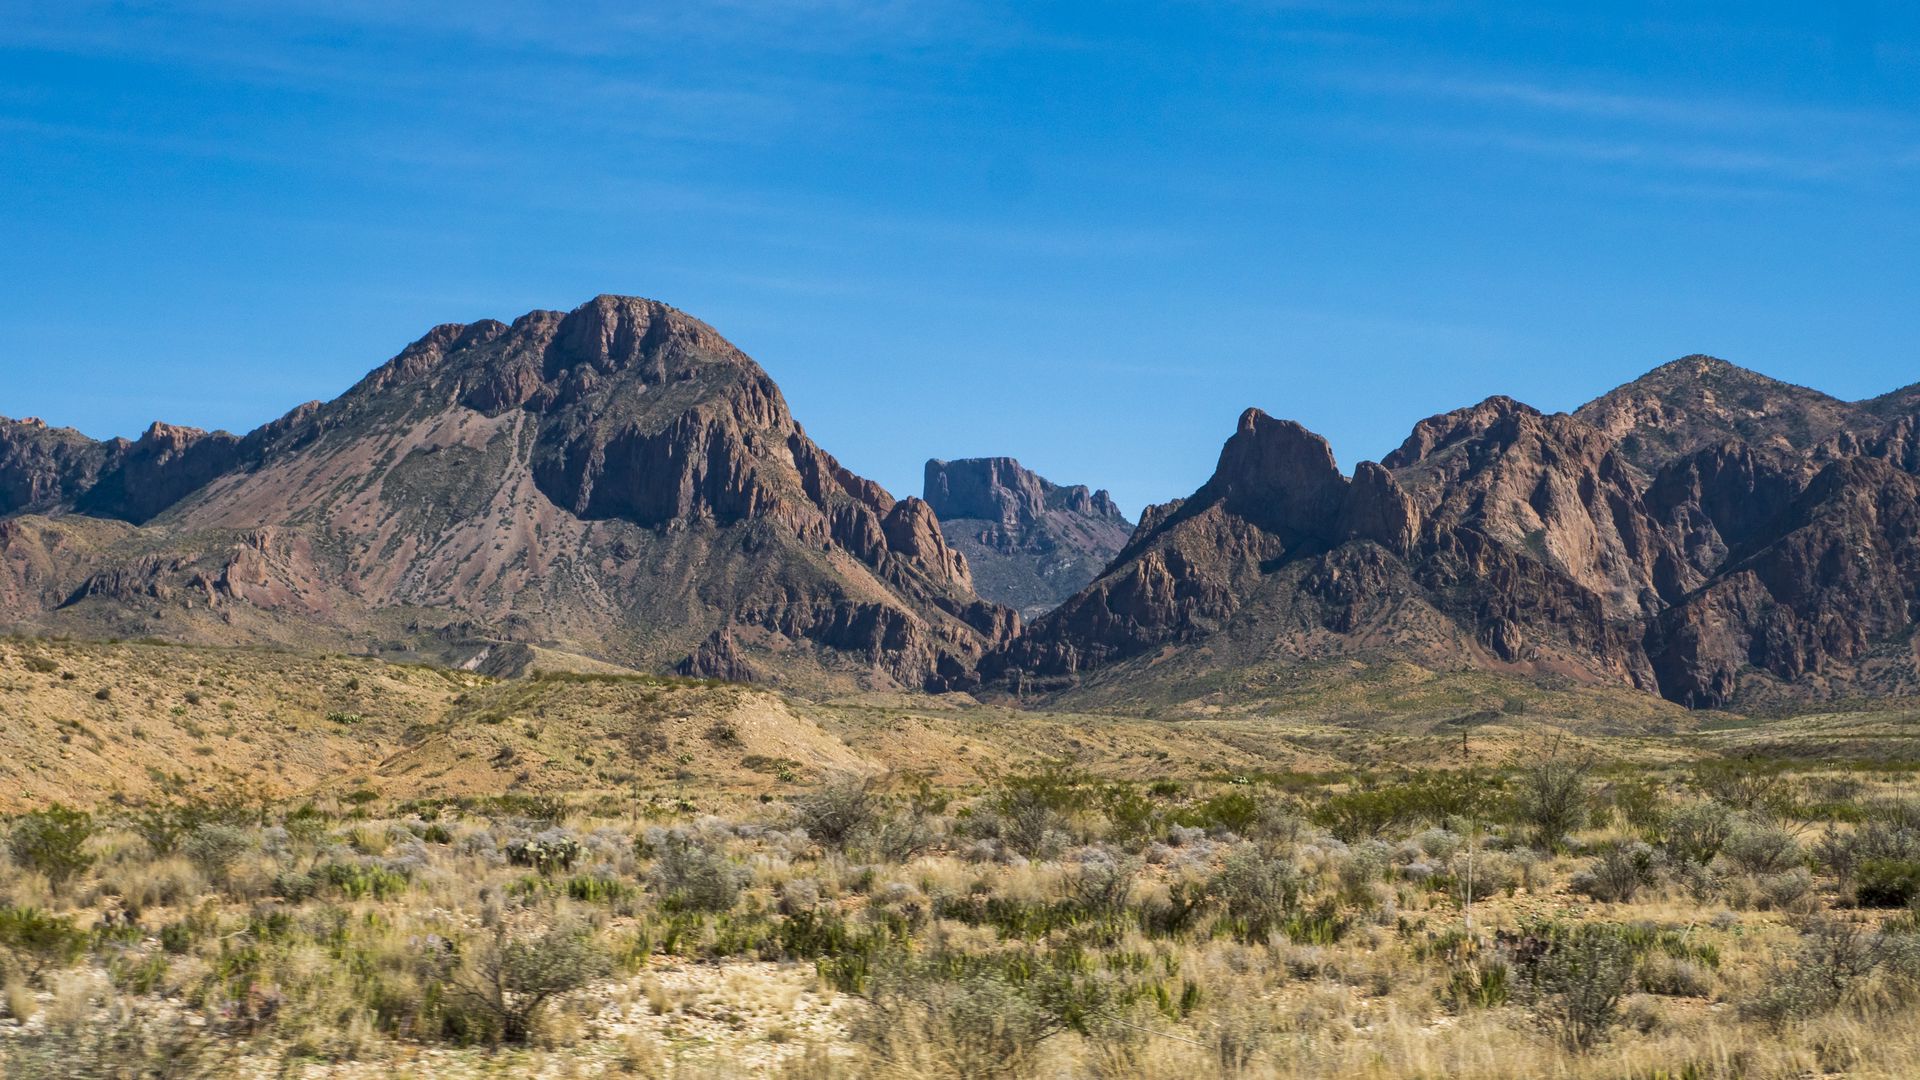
x=48, y=470
x=1808, y=597
x=719, y=657
x=1499, y=535
x=166, y=464
x=1031, y=543
x=44, y=468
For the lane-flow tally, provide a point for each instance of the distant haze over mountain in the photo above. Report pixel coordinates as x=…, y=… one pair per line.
x=1031, y=542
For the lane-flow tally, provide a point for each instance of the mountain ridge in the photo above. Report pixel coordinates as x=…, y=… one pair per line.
x=620, y=483
x=1659, y=537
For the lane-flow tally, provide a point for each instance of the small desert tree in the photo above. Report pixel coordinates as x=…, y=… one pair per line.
x=512, y=980
x=1552, y=798
x=839, y=809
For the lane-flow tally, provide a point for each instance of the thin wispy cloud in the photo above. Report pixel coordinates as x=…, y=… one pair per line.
x=1648, y=133
x=586, y=29
x=1716, y=114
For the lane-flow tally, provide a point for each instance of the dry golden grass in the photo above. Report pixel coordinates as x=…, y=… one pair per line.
x=364, y=873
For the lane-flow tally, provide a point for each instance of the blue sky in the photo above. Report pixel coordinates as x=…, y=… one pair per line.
x=1087, y=235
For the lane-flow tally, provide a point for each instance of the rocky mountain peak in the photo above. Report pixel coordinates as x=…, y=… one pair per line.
x=620, y=481
x=1277, y=473
x=617, y=480
x=1697, y=400
x=1097, y=503
x=988, y=488
x=1001, y=489
x=1500, y=417
x=42, y=467
x=612, y=334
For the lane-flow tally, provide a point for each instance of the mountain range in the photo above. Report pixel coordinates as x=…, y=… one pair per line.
x=619, y=485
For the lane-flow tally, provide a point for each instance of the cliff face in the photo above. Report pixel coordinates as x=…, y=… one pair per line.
x=52, y=469
x=618, y=480
x=1032, y=543
x=1704, y=532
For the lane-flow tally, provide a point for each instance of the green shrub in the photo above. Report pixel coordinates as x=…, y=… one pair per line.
x=1370, y=811
x=545, y=808
x=1101, y=885
x=293, y=886
x=1746, y=785
x=1761, y=849
x=597, y=889
x=1029, y=810
x=214, y=848
x=1617, y=873
x=1833, y=958
x=1575, y=977
x=1237, y=811
x=164, y=828
x=838, y=809
x=849, y=813
x=1259, y=893
x=1694, y=833
x=359, y=881
x=1479, y=986
x=177, y=937
x=1552, y=800
x=511, y=980
x=1887, y=883
x=1131, y=816
x=39, y=939
x=1639, y=803
x=53, y=841
x=1889, y=831
x=963, y=1016
x=1185, y=902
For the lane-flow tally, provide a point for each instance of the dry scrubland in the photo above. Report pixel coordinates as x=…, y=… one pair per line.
x=230, y=862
